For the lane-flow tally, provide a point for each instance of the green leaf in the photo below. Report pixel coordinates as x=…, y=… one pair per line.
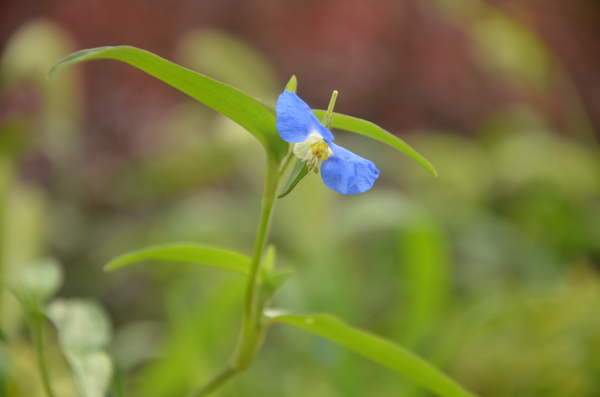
x=300, y=171
x=83, y=333
x=292, y=85
x=3, y=338
x=185, y=252
x=371, y=130
x=377, y=350
x=225, y=99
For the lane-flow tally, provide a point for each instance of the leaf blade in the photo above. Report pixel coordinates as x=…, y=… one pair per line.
x=377, y=350
x=225, y=99
x=185, y=252
x=364, y=127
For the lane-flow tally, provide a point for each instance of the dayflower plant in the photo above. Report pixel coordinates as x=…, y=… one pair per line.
x=341, y=170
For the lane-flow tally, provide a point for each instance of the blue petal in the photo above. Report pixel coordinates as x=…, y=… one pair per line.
x=348, y=173
x=295, y=121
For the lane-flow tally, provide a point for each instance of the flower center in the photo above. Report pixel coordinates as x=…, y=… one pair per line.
x=314, y=150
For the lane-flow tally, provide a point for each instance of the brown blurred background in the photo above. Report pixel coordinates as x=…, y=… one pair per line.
x=404, y=64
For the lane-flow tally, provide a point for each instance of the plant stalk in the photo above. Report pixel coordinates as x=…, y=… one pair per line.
x=268, y=202
x=215, y=383
x=252, y=330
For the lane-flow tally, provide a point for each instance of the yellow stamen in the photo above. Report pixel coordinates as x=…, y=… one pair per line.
x=314, y=150
x=320, y=150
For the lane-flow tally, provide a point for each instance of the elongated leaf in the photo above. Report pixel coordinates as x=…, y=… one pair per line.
x=371, y=130
x=185, y=252
x=300, y=171
x=378, y=350
x=225, y=99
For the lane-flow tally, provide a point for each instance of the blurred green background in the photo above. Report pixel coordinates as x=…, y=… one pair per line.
x=491, y=271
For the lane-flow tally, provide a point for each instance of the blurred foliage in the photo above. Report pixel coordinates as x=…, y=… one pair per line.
x=491, y=270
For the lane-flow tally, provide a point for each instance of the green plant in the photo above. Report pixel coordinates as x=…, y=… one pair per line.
x=263, y=279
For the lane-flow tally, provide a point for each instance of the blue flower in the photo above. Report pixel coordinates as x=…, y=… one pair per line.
x=341, y=170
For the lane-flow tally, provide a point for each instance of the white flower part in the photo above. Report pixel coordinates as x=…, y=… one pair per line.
x=314, y=150
x=303, y=149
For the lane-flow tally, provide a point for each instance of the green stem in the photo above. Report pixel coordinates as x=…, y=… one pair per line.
x=215, y=383
x=252, y=330
x=268, y=202
x=36, y=328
